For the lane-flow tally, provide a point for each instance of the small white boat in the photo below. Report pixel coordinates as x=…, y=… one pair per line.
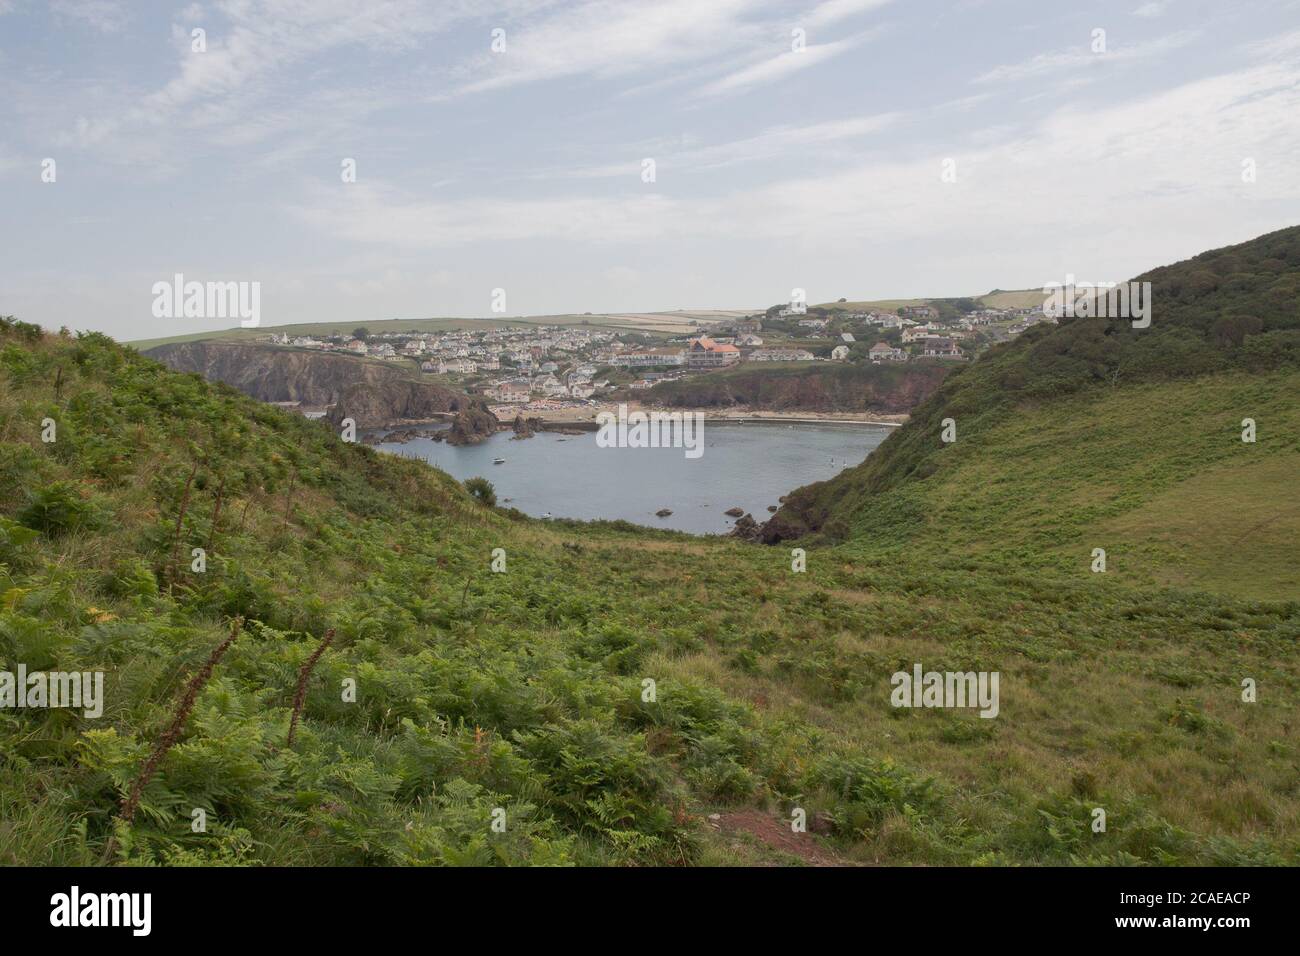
x=498, y=461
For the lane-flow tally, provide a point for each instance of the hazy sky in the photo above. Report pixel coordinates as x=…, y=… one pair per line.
x=775, y=167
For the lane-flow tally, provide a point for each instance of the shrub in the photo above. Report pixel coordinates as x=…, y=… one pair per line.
x=481, y=489
x=58, y=509
x=14, y=541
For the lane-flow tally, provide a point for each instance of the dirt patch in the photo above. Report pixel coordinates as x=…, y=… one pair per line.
x=775, y=834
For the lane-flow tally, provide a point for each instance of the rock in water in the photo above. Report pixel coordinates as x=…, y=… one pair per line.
x=663, y=512
x=525, y=427
x=473, y=425
x=734, y=512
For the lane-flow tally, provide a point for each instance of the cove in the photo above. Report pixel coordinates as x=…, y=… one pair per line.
x=749, y=466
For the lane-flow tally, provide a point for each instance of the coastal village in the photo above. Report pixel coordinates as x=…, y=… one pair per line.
x=545, y=368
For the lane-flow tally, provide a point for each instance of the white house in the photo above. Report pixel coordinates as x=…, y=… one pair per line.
x=646, y=358
x=510, y=391
x=943, y=348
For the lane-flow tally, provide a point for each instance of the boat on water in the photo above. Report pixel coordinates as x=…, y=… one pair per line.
x=498, y=461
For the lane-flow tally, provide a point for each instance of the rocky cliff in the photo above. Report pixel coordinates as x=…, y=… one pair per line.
x=371, y=393
x=373, y=404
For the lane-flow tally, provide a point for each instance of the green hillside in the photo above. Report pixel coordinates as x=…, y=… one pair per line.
x=1095, y=434
x=526, y=691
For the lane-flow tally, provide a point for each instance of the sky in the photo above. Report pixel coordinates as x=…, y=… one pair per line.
x=867, y=149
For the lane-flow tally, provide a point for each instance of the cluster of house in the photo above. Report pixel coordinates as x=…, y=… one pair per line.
x=578, y=383
x=931, y=346
x=544, y=365
x=464, y=352
x=705, y=352
x=928, y=337
x=918, y=324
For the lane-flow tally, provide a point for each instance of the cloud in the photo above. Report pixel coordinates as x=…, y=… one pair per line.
x=379, y=213
x=607, y=38
x=779, y=67
x=772, y=143
x=1098, y=174
x=107, y=16
x=258, y=52
x=832, y=11
x=1082, y=57
x=612, y=38
x=784, y=140
x=1279, y=47
x=1152, y=9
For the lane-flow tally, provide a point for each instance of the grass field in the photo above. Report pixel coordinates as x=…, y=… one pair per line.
x=1156, y=475
x=526, y=690
x=1024, y=299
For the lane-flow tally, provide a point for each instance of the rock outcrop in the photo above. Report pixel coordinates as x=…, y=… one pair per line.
x=525, y=427
x=474, y=424
x=373, y=394
x=385, y=402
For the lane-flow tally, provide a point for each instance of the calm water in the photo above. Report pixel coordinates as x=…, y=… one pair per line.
x=747, y=466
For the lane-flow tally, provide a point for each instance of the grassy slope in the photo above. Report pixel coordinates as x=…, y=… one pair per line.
x=1025, y=299
x=1073, y=434
x=523, y=689
x=1157, y=475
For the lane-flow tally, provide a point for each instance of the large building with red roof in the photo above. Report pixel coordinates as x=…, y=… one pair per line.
x=706, y=353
